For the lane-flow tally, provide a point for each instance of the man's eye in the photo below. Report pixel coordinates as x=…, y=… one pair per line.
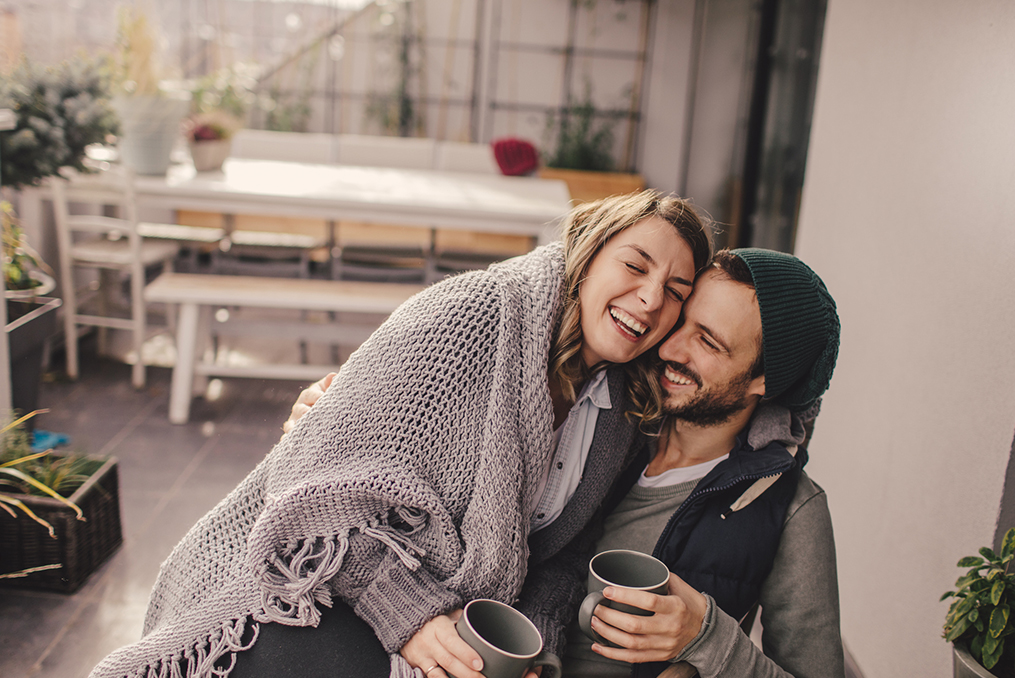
x=708, y=343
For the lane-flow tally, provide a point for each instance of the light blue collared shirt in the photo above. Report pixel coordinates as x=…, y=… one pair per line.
x=574, y=440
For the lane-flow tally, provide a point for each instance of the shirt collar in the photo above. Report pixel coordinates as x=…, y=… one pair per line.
x=597, y=389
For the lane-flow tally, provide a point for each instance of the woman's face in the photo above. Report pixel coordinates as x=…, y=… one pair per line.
x=633, y=291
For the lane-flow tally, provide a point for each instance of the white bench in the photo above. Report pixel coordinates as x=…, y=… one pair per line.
x=198, y=295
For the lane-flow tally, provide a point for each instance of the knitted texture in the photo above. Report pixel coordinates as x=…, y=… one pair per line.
x=799, y=326
x=402, y=490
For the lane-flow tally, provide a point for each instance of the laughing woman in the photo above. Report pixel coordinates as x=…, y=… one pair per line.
x=453, y=449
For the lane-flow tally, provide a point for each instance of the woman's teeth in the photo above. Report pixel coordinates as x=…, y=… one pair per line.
x=637, y=328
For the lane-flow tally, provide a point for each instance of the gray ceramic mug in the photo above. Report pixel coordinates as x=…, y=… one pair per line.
x=626, y=570
x=506, y=639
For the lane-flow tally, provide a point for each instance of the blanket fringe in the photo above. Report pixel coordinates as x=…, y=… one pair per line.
x=199, y=660
x=296, y=580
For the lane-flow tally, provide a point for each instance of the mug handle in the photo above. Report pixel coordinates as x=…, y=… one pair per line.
x=585, y=615
x=550, y=661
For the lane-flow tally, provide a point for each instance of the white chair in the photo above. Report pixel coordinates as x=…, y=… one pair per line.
x=113, y=246
x=376, y=151
x=459, y=156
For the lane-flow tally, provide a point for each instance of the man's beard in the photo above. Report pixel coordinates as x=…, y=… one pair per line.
x=712, y=406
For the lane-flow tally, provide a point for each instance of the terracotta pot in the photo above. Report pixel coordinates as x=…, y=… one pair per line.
x=208, y=156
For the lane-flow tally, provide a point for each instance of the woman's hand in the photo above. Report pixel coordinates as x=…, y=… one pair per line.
x=310, y=395
x=676, y=621
x=437, y=649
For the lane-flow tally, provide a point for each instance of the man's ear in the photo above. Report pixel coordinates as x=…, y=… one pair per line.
x=757, y=386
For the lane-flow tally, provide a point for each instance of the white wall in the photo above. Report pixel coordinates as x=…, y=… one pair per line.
x=909, y=215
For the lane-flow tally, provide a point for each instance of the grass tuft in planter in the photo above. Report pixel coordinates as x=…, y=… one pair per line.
x=60, y=517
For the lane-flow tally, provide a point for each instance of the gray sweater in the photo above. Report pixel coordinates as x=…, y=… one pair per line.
x=799, y=600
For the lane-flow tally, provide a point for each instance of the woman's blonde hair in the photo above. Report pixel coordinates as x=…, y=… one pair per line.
x=587, y=229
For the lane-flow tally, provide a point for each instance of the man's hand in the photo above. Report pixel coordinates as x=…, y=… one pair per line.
x=676, y=621
x=310, y=395
x=437, y=649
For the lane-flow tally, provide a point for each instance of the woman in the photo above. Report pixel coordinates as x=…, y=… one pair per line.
x=412, y=486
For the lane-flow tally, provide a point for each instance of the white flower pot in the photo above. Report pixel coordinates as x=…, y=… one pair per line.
x=150, y=126
x=208, y=156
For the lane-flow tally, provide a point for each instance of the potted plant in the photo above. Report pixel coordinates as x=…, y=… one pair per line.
x=220, y=102
x=57, y=113
x=979, y=620
x=31, y=318
x=583, y=156
x=61, y=513
x=209, y=136
x=150, y=112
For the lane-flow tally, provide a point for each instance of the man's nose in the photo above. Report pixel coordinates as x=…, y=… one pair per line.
x=674, y=349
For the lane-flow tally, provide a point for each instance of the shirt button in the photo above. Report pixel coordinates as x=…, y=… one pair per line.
x=560, y=465
x=541, y=516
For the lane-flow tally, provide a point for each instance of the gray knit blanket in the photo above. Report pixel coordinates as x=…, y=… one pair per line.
x=401, y=491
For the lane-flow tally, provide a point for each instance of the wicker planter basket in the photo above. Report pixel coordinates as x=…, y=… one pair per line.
x=80, y=546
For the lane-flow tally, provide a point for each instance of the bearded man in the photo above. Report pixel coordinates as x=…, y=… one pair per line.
x=721, y=497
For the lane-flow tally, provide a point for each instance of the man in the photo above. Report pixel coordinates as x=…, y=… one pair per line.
x=746, y=367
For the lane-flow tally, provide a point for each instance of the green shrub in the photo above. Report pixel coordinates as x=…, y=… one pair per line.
x=981, y=612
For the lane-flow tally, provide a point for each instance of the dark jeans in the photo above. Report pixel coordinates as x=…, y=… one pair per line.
x=342, y=646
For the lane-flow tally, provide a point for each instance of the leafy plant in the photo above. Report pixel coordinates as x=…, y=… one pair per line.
x=981, y=612
x=212, y=126
x=230, y=90
x=581, y=143
x=24, y=472
x=19, y=259
x=60, y=111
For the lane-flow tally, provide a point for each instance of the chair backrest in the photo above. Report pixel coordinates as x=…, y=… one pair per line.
x=77, y=209
x=259, y=144
x=374, y=151
x=78, y=203
x=457, y=156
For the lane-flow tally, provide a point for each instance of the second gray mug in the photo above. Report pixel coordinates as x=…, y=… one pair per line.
x=623, y=569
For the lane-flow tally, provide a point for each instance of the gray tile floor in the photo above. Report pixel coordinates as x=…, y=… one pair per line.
x=169, y=477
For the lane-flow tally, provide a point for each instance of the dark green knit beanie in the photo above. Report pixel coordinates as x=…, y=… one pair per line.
x=799, y=325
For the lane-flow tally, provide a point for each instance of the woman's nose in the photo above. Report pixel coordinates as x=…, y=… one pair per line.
x=651, y=295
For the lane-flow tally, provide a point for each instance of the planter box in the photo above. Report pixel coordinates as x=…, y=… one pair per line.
x=586, y=186
x=80, y=546
x=29, y=324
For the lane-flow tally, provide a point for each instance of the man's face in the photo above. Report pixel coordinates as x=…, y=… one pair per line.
x=706, y=376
